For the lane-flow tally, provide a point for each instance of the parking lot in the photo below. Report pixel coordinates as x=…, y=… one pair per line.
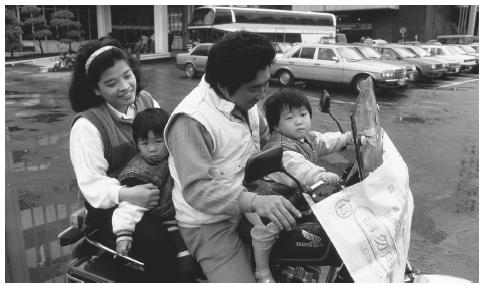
x=433, y=124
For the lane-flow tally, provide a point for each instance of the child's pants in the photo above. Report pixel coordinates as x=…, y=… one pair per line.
x=263, y=236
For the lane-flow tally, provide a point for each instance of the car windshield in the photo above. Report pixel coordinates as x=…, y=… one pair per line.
x=404, y=53
x=468, y=49
x=349, y=54
x=451, y=51
x=420, y=51
x=459, y=50
x=369, y=52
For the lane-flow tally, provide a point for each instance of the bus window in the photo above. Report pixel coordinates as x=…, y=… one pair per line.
x=222, y=16
x=268, y=18
x=202, y=17
x=245, y=16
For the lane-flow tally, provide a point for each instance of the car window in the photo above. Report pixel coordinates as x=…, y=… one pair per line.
x=296, y=53
x=201, y=50
x=388, y=53
x=325, y=54
x=307, y=53
x=436, y=52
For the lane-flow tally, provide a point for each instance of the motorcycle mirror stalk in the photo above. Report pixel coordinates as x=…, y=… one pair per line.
x=324, y=106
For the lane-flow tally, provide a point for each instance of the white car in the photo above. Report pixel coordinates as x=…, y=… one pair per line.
x=194, y=62
x=335, y=64
x=467, y=62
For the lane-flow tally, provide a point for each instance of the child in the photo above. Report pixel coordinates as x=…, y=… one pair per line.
x=150, y=165
x=288, y=114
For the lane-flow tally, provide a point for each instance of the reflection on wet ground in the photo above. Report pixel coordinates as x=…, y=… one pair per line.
x=41, y=191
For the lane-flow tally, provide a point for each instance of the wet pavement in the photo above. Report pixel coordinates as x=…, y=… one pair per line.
x=435, y=130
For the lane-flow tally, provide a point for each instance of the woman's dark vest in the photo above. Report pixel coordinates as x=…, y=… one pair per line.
x=118, y=145
x=158, y=175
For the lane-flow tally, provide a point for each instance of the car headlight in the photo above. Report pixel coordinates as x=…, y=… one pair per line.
x=387, y=74
x=432, y=67
x=414, y=68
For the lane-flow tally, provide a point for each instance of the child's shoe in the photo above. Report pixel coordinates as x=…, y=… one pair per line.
x=264, y=277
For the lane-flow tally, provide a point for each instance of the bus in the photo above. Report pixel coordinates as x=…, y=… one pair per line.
x=457, y=39
x=211, y=23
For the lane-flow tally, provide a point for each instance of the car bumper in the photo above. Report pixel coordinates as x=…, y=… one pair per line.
x=453, y=70
x=397, y=82
x=411, y=76
x=436, y=73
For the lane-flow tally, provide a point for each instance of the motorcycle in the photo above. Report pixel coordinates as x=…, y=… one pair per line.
x=306, y=253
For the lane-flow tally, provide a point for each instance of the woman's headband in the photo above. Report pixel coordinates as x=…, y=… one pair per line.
x=95, y=54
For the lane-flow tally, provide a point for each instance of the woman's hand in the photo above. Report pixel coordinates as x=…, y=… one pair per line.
x=277, y=209
x=145, y=196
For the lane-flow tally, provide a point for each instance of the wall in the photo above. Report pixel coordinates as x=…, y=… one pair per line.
x=51, y=46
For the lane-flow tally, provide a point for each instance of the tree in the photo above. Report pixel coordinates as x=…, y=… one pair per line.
x=13, y=31
x=37, y=23
x=66, y=29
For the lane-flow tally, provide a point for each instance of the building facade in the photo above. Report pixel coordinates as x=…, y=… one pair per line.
x=166, y=25
x=387, y=22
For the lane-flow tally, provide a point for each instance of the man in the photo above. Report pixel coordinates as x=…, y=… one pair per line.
x=210, y=136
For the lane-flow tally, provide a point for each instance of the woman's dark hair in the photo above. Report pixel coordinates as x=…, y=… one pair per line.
x=236, y=59
x=286, y=97
x=150, y=119
x=81, y=92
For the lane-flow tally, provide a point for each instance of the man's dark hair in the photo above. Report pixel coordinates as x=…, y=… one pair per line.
x=150, y=119
x=286, y=97
x=236, y=59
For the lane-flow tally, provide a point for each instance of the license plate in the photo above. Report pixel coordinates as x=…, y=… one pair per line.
x=401, y=81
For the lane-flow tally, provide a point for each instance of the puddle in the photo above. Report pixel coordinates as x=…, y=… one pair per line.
x=412, y=119
x=44, y=118
x=14, y=128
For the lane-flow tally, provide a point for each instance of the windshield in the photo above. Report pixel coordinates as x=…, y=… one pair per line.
x=420, y=51
x=349, y=54
x=369, y=52
x=451, y=51
x=468, y=49
x=459, y=49
x=404, y=53
x=365, y=121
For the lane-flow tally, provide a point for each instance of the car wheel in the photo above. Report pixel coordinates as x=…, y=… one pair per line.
x=358, y=82
x=418, y=76
x=285, y=78
x=190, y=70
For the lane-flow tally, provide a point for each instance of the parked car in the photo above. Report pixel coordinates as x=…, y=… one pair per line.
x=467, y=63
x=475, y=46
x=427, y=68
x=371, y=54
x=452, y=65
x=335, y=64
x=281, y=47
x=194, y=62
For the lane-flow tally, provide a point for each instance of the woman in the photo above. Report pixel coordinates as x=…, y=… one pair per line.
x=106, y=94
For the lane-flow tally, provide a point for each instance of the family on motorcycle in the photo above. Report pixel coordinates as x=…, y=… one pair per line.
x=168, y=189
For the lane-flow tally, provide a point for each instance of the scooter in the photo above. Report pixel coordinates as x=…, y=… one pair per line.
x=306, y=253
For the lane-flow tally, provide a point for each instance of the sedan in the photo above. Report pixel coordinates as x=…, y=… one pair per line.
x=194, y=62
x=467, y=63
x=334, y=64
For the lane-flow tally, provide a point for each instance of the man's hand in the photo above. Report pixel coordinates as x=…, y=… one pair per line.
x=277, y=209
x=123, y=246
x=145, y=196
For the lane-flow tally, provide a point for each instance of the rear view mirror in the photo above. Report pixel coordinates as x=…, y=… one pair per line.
x=324, y=102
x=334, y=58
x=263, y=164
